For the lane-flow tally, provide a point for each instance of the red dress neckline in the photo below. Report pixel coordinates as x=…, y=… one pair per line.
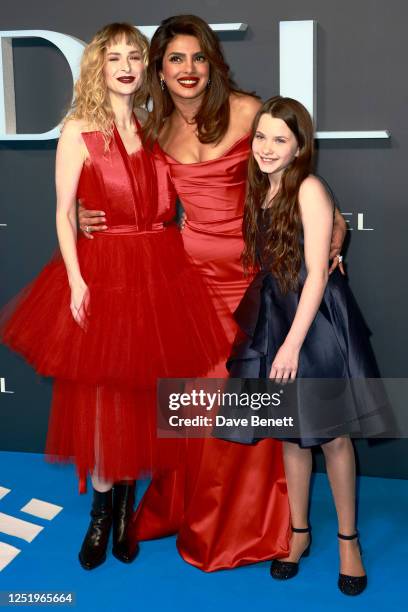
x=118, y=137
x=208, y=161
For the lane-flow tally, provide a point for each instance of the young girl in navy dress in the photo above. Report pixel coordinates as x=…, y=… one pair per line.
x=296, y=320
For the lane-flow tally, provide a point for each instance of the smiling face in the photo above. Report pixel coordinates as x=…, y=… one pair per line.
x=123, y=68
x=274, y=145
x=185, y=68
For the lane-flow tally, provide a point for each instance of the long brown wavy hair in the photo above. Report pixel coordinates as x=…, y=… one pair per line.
x=213, y=116
x=91, y=100
x=282, y=251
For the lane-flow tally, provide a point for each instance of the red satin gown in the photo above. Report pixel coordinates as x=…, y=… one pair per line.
x=150, y=315
x=229, y=502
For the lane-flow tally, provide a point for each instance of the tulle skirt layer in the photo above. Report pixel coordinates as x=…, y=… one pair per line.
x=150, y=315
x=108, y=431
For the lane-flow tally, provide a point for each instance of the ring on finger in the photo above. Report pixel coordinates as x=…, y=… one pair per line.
x=340, y=258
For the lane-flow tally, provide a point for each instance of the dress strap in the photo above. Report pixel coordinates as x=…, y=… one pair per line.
x=128, y=167
x=142, y=180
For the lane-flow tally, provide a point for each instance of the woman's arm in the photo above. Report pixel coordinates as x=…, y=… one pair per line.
x=69, y=162
x=316, y=209
x=338, y=236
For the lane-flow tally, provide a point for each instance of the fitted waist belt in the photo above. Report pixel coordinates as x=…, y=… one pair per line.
x=131, y=230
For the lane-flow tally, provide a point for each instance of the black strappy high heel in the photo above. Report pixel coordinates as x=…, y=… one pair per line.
x=283, y=570
x=351, y=585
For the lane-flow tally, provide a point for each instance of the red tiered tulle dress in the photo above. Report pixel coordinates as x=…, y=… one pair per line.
x=228, y=502
x=150, y=316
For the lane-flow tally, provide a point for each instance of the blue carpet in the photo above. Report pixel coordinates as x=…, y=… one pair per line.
x=160, y=580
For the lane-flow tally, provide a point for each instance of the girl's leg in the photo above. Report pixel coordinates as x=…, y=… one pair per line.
x=298, y=469
x=341, y=471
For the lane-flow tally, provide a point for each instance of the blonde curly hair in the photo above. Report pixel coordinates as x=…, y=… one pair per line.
x=91, y=101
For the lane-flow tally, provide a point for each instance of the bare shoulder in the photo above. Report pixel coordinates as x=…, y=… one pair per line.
x=245, y=102
x=245, y=107
x=72, y=130
x=312, y=185
x=71, y=144
x=141, y=114
x=313, y=193
x=73, y=126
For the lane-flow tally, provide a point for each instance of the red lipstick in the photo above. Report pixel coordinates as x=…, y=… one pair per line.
x=188, y=82
x=126, y=79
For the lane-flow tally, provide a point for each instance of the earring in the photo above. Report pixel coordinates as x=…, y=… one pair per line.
x=162, y=84
x=208, y=83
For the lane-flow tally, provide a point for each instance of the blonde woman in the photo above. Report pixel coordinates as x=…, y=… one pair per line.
x=103, y=317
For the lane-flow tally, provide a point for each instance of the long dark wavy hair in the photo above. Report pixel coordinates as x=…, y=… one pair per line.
x=213, y=116
x=282, y=251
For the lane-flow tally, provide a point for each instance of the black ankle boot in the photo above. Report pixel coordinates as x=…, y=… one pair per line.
x=124, y=547
x=93, y=549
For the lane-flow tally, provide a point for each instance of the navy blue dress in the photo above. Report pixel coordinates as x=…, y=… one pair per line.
x=336, y=348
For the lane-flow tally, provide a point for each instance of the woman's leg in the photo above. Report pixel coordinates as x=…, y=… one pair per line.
x=101, y=485
x=298, y=469
x=341, y=471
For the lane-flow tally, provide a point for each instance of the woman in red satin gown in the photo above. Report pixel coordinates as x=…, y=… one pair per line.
x=228, y=502
x=103, y=317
